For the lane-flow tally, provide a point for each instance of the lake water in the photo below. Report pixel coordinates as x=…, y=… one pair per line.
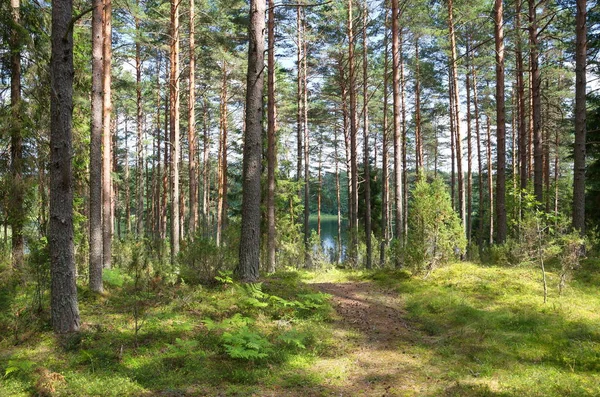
x=329, y=236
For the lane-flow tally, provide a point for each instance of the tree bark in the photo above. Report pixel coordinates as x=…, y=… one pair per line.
x=248, y=267
x=174, y=128
x=580, y=118
x=107, y=192
x=469, y=149
x=367, y=168
x=489, y=178
x=222, y=188
x=17, y=190
x=523, y=174
x=456, y=110
x=418, y=138
x=193, y=168
x=64, y=307
x=271, y=142
x=139, y=183
x=205, y=165
x=96, y=247
x=397, y=133
x=385, y=191
x=538, y=186
x=307, y=257
x=500, y=125
x=353, y=249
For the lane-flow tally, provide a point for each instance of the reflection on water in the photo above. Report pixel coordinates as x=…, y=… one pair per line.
x=329, y=237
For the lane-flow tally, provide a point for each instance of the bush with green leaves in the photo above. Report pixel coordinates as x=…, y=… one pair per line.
x=435, y=231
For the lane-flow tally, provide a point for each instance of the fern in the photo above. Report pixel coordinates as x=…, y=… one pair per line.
x=246, y=344
x=16, y=365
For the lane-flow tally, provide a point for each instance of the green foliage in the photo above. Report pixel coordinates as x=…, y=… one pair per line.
x=114, y=277
x=16, y=366
x=225, y=277
x=202, y=261
x=246, y=344
x=436, y=232
x=293, y=338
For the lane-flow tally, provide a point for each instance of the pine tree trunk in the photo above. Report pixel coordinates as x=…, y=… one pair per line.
x=469, y=149
x=63, y=302
x=353, y=249
x=174, y=129
x=367, y=175
x=404, y=214
x=418, y=138
x=193, y=168
x=17, y=190
x=248, y=266
x=307, y=258
x=500, y=125
x=456, y=111
x=338, y=199
x=222, y=188
x=385, y=195
x=489, y=177
x=523, y=175
x=205, y=165
x=139, y=182
x=397, y=133
x=96, y=250
x=580, y=119
x=536, y=105
x=271, y=142
x=126, y=179
x=107, y=192
x=158, y=170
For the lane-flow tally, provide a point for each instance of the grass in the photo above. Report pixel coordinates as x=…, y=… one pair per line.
x=488, y=330
x=474, y=331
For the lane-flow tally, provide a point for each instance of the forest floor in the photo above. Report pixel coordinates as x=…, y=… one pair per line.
x=466, y=330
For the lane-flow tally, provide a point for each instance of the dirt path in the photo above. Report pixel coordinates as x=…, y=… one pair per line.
x=376, y=359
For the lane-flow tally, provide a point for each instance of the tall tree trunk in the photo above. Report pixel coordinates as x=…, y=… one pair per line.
x=479, y=158
x=167, y=167
x=107, y=224
x=307, y=258
x=418, y=138
x=96, y=263
x=404, y=153
x=126, y=179
x=222, y=188
x=456, y=111
x=338, y=199
x=536, y=104
x=174, y=128
x=452, y=142
x=139, y=182
x=469, y=148
x=353, y=141
x=271, y=141
x=193, y=169
x=158, y=170
x=367, y=168
x=385, y=191
x=500, y=124
x=205, y=164
x=248, y=266
x=17, y=190
x=299, y=102
x=397, y=133
x=523, y=175
x=580, y=130
x=63, y=302
x=489, y=177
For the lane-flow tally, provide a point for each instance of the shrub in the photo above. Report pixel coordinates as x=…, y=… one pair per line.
x=436, y=234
